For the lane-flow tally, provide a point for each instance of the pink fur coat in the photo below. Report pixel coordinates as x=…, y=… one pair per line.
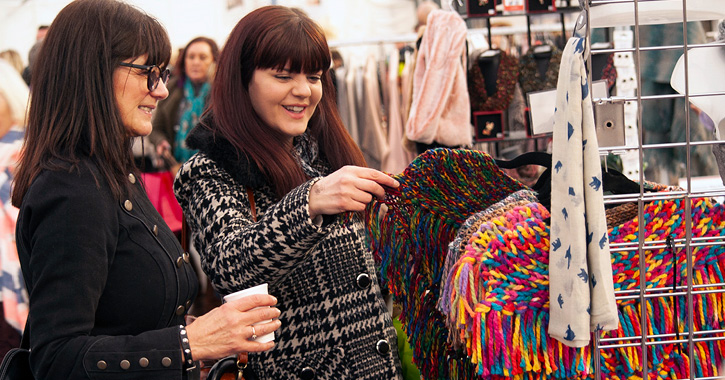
x=440, y=110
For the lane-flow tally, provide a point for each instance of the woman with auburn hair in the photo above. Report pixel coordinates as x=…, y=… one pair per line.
x=273, y=195
x=109, y=284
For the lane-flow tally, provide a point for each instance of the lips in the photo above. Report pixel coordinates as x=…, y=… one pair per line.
x=147, y=109
x=295, y=109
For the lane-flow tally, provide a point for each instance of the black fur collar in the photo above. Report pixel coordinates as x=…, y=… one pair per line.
x=220, y=150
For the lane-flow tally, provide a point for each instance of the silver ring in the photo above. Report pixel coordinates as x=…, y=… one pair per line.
x=254, y=333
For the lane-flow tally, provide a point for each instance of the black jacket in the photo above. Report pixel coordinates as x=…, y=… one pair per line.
x=107, y=280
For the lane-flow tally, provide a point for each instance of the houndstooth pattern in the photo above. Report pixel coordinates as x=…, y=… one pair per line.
x=328, y=323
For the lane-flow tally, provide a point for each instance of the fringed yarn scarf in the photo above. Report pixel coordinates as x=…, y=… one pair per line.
x=438, y=191
x=472, y=224
x=498, y=309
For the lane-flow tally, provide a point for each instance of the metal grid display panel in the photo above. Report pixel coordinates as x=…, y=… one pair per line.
x=691, y=294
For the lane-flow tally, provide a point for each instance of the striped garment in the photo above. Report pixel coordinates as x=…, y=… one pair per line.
x=12, y=286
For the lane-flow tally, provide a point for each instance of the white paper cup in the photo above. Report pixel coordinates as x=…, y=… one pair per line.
x=259, y=289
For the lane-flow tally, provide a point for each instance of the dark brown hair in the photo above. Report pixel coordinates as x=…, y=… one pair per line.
x=180, y=67
x=272, y=37
x=74, y=113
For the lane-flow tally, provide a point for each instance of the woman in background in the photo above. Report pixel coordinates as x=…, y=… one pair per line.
x=109, y=284
x=13, y=296
x=13, y=58
x=188, y=96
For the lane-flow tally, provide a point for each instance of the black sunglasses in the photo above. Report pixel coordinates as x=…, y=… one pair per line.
x=153, y=74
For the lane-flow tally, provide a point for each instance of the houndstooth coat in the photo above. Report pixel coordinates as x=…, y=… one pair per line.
x=335, y=324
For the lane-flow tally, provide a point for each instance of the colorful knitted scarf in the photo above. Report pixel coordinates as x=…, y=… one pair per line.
x=438, y=191
x=496, y=297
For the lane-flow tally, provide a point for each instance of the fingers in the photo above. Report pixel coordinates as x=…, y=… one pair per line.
x=373, y=182
x=381, y=178
x=226, y=330
x=257, y=330
x=350, y=188
x=252, y=301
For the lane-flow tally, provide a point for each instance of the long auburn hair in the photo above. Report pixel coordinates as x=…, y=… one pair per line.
x=272, y=37
x=74, y=114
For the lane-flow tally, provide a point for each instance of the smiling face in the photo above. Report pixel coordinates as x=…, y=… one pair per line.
x=197, y=60
x=134, y=100
x=285, y=101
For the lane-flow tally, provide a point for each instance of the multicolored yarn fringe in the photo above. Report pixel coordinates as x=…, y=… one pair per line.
x=473, y=224
x=497, y=294
x=665, y=219
x=438, y=191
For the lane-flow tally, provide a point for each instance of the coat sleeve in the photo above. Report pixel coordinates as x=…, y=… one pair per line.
x=237, y=252
x=68, y=230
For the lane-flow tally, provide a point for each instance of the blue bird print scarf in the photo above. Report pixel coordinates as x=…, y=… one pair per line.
x=581, y=290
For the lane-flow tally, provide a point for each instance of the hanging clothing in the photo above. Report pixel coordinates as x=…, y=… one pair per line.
x=438, y=192
x=495, y=298
x=440, y=112
x=351, y=91
x=373, y=137
x=193, y=107
x=507, y=74
x=343, y=107
x=531, y=78
x=581, y=295
x=398, y=157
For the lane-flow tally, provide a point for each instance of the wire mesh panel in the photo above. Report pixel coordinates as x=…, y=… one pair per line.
x=668, y=253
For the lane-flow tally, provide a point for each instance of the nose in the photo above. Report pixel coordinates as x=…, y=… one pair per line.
x=301, y=87
x=161, y=91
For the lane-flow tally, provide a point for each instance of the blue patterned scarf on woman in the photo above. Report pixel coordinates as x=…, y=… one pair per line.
x=194, y=106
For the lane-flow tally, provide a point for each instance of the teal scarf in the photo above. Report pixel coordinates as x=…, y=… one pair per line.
x=194, y=106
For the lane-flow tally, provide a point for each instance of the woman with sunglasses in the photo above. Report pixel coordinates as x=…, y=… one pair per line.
x=272, y=198
x=109, y=284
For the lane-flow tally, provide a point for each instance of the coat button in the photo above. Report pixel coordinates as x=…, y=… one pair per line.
x=186, y=257
x=188, y=304
x=363, y=281
x=143, y=362
x=125, y=364
x=166, y=361
x=156, y=230
x=128, y=205
x=101, y=364
x=307, y=373
x=179, y=262
x=180, y=310
x=131, y=178
x=383, y=347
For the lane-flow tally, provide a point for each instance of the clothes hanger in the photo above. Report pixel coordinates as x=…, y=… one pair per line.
x=450, y=4
x=613, y=181
x=543, y=50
